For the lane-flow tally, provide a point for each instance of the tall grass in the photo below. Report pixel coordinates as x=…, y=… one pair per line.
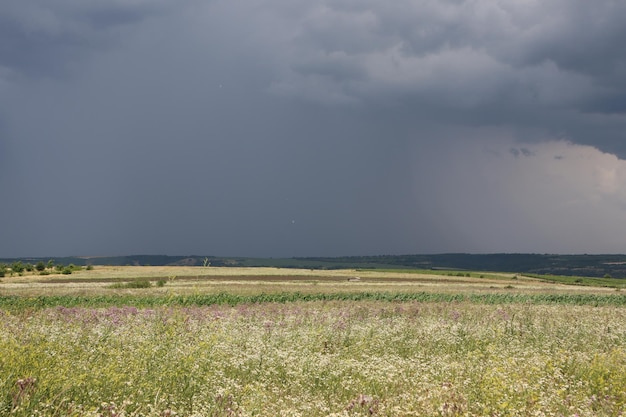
x=320, y=358
x=22, y=303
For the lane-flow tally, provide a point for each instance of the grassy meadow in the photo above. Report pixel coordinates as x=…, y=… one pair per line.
x=194, y=341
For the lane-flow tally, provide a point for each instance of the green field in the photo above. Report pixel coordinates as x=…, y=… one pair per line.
x=194, y=341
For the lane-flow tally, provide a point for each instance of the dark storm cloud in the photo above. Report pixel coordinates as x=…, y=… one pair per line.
x=282, y=127
x=521, y=44
x=44, y=38
x=549, y=65
x=516, y=152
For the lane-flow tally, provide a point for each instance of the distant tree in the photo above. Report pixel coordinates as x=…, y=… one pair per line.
x=29, y=267
x=40, y=266
x=3, y=270
x=17, y=267
x=50, y=264
x=59, y=267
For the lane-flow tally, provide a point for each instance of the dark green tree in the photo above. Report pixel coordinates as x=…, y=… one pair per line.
x=17, y=267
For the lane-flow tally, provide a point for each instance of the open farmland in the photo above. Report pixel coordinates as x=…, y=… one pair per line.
x=241, y=342
x=177, y=280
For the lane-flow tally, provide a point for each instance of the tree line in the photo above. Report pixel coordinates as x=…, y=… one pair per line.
x=40, y=268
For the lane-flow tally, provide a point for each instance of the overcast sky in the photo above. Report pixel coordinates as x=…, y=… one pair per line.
x=281, y=128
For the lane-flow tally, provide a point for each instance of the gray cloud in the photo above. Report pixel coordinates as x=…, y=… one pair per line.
x=282, y=128
x=46, y=38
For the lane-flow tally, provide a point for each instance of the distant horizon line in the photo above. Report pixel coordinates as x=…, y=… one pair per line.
x=314, y=256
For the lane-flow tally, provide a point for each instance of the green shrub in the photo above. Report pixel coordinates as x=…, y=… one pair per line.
x=67, y=270
x=140, y=283
x=89, y=267
x=40, y=266
x=161, y=283
x=17, y=267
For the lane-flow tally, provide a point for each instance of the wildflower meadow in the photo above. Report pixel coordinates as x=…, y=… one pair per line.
x=316, y=357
